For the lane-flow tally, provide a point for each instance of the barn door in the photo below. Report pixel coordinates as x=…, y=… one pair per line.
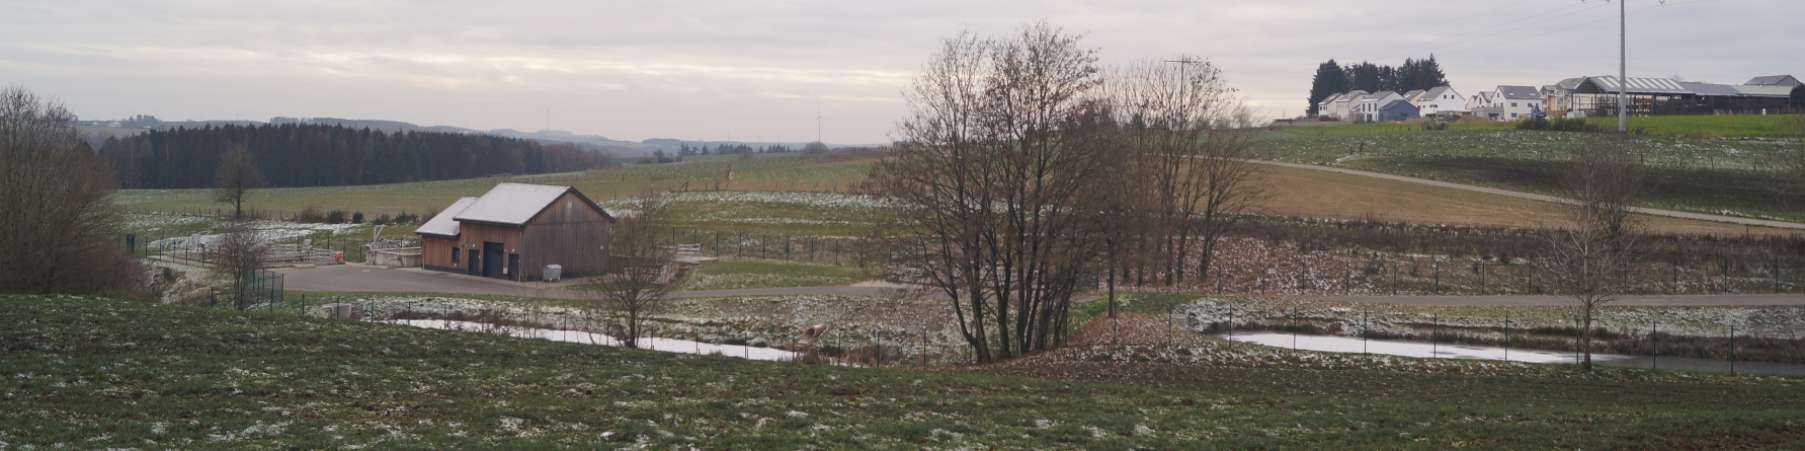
x=471, y=260
x=492, y=265
x=514, y=267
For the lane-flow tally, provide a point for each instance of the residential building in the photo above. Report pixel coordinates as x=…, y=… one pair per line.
x=1442, y=101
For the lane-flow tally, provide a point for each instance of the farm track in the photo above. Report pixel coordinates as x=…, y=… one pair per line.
x=1750, y=222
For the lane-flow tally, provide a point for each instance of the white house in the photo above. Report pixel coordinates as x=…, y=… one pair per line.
x=1517, y=103
x=1325, y=107
x=1442, y=101
x=1367, y=108
x=1483, y=105
x=1343, y=107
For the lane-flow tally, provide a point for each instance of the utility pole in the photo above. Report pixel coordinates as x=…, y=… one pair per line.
x=1623, y=67
x=1184, y=65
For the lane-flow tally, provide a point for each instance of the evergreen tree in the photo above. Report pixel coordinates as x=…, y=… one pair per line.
x=1329, y=80
x=291, y=155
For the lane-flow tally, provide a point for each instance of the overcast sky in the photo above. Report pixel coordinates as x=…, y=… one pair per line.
x=758, y=70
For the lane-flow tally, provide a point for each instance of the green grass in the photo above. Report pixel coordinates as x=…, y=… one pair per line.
x=828, y=173
x=733, y=274
x=1740, y=126
x=99, y=373
x=1702, y=175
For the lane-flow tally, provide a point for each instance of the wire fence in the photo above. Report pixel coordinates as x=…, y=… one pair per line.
x=1764, y=340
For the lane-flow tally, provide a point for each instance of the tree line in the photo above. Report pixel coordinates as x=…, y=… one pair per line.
x=298, y=155
x=1334, y=78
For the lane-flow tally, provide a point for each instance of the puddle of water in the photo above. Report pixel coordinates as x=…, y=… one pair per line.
x=1330, y=343
x=573, y=336
x=1327, y=343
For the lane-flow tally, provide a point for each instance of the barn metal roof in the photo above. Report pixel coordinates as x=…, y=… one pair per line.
x=1774, y=80
x=444, y=223
x=1641, y=85
x=1711, y=89
x=1776, y=91
x=512, y=203
x=1520, y=92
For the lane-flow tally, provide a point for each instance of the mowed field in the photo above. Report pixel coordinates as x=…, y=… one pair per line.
x=1290, y=192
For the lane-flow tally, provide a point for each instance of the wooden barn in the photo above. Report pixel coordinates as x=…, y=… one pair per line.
x=515, y=230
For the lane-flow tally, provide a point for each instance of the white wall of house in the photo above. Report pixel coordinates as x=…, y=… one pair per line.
x=1442, y=100
x=1518, y=109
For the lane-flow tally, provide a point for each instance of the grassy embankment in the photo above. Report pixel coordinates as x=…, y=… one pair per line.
x=1722, y=173
x=98, y=373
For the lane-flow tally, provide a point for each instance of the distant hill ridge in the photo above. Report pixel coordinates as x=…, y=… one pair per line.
x=97, y=132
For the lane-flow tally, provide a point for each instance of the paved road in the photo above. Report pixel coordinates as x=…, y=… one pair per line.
x=371, y=279
x=1542, y=197
x=367, y=279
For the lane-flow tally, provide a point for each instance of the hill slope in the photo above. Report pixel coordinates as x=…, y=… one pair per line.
x=100, y=373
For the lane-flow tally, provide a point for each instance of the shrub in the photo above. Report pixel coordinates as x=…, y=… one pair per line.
x=357, y=218
x=310, y=214
x=335, y=217
x=407, y=218
x=383, y=219
x=1435, y=125
x=1534, y=123
x=1573, y=125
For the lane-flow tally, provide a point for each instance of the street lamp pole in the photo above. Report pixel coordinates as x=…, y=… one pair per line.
x=1623, y=67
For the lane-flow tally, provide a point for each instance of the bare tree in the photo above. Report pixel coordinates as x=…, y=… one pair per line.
x=60, y=232
x=642, y=271
x=236, y=177
x=1587, y=258
x=238, y=257
x=1002, y=193
x=1189, y=133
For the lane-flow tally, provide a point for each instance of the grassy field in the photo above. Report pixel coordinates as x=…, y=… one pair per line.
x=97, y=373
x=1743, y=126
x=748, y=273
x=1708, y=175
x=805, y=195
x=786, y=173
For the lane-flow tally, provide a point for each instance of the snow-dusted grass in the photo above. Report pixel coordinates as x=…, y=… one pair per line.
x=86, y=373
x=733, y=274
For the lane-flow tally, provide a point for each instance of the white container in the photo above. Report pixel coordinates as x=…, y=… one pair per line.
x=554, y=273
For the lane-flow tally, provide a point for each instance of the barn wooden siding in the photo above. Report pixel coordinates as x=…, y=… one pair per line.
x=569, y=232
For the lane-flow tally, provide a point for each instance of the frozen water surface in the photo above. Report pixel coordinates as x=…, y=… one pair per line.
x=573, y=336
x=1327, y=343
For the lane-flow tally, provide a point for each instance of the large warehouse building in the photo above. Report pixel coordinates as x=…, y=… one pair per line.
x=1597, y=96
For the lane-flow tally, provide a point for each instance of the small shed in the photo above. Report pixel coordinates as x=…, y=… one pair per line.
x=515, y=230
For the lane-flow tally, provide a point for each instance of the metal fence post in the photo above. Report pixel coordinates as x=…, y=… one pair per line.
x=1434, y=329
x=1507, y=332
x=1732, y=349
x=1654, y=342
